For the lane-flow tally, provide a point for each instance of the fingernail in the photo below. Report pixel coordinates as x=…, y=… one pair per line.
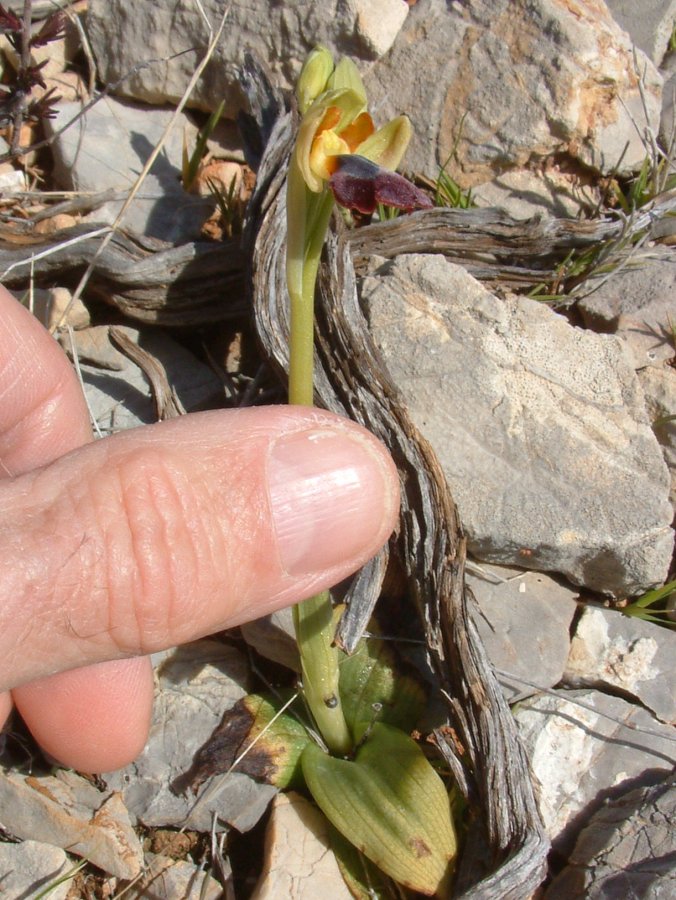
x=333, y=494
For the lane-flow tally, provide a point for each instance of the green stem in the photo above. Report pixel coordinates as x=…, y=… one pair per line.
x=315, y=627
x=307, y=221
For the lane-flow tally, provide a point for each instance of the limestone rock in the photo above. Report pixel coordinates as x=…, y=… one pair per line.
x=614, y=652
x=523, y=193
x=659, y=388
x=280, y=34
x=195, y=684
x=540, y=427
x=649, y=24
x=30, y=867
x=124, y=400
x=668, y=102
x=626, y=850
x=66, y=811
x=274, y=638
x=177, y=879
x=637, y=304
x=509, y=82
x=107, y=149
x=524, y=622
x=298, y=860
x=582, y=756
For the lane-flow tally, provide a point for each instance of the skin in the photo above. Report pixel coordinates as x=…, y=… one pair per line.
x=145, y=540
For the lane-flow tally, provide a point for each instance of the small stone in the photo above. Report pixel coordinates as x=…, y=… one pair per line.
x=54, y=224
x=28, y=868
x=69, y=812
x=273, y=637
x=298, y=860
x=649, y=24
x=581, y=756
x=12, y=179
x=507, y=610
x=171, y=879
x=107, y=149
x=63, y=310
x=637, y=304
x=626, y=850
x=615, y=652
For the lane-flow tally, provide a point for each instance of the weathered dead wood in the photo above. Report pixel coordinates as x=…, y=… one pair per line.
x=507, y=847
x=147, y=280
x=495, y=248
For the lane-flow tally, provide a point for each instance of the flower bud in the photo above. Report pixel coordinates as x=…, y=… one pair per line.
x=314, y=75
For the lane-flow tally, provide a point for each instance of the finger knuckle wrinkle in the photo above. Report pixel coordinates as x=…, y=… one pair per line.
x=160, y=540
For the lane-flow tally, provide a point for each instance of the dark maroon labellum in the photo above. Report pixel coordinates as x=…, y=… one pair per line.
x=360, y=184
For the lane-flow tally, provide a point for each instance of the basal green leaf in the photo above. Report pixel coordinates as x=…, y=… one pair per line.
x=377, y=685
x=391, y=804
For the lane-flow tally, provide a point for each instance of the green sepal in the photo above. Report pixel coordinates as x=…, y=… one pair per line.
x=391, y=804
x=388, y=144
x=346, y=75
x=377, y=685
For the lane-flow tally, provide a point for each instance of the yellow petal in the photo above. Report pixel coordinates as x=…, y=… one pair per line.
x=313, y=77
x=348, y=106
x=325, y=147
x=388, y=145
x=357, y=132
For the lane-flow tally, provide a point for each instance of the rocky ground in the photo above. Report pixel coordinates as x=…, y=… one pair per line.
x=532, y=339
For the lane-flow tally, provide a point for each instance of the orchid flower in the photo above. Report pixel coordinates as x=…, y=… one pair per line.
x=339, y=154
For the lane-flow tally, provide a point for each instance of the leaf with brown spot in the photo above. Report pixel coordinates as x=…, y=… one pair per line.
x=270, y=750
x=391, y=804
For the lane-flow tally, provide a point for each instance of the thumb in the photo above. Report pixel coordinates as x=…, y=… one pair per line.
x=163, y=534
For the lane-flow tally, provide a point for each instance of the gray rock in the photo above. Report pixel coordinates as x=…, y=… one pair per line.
x=540, y=427
x=637, y=304
x=524, y=623
x=106, y=150
x=627, y=850
x=659, y=388
x=195, y=685
x=523, y=193
x=580, y=756
x=30, y=867
x=280, y=34
x=274, y=638
x=667, y=134
x=614, y=652
x=648, y=23
x=508, y=82
x=119, y=400
x=67, y=811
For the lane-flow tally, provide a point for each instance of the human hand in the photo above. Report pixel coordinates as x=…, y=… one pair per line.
x=153, y=537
